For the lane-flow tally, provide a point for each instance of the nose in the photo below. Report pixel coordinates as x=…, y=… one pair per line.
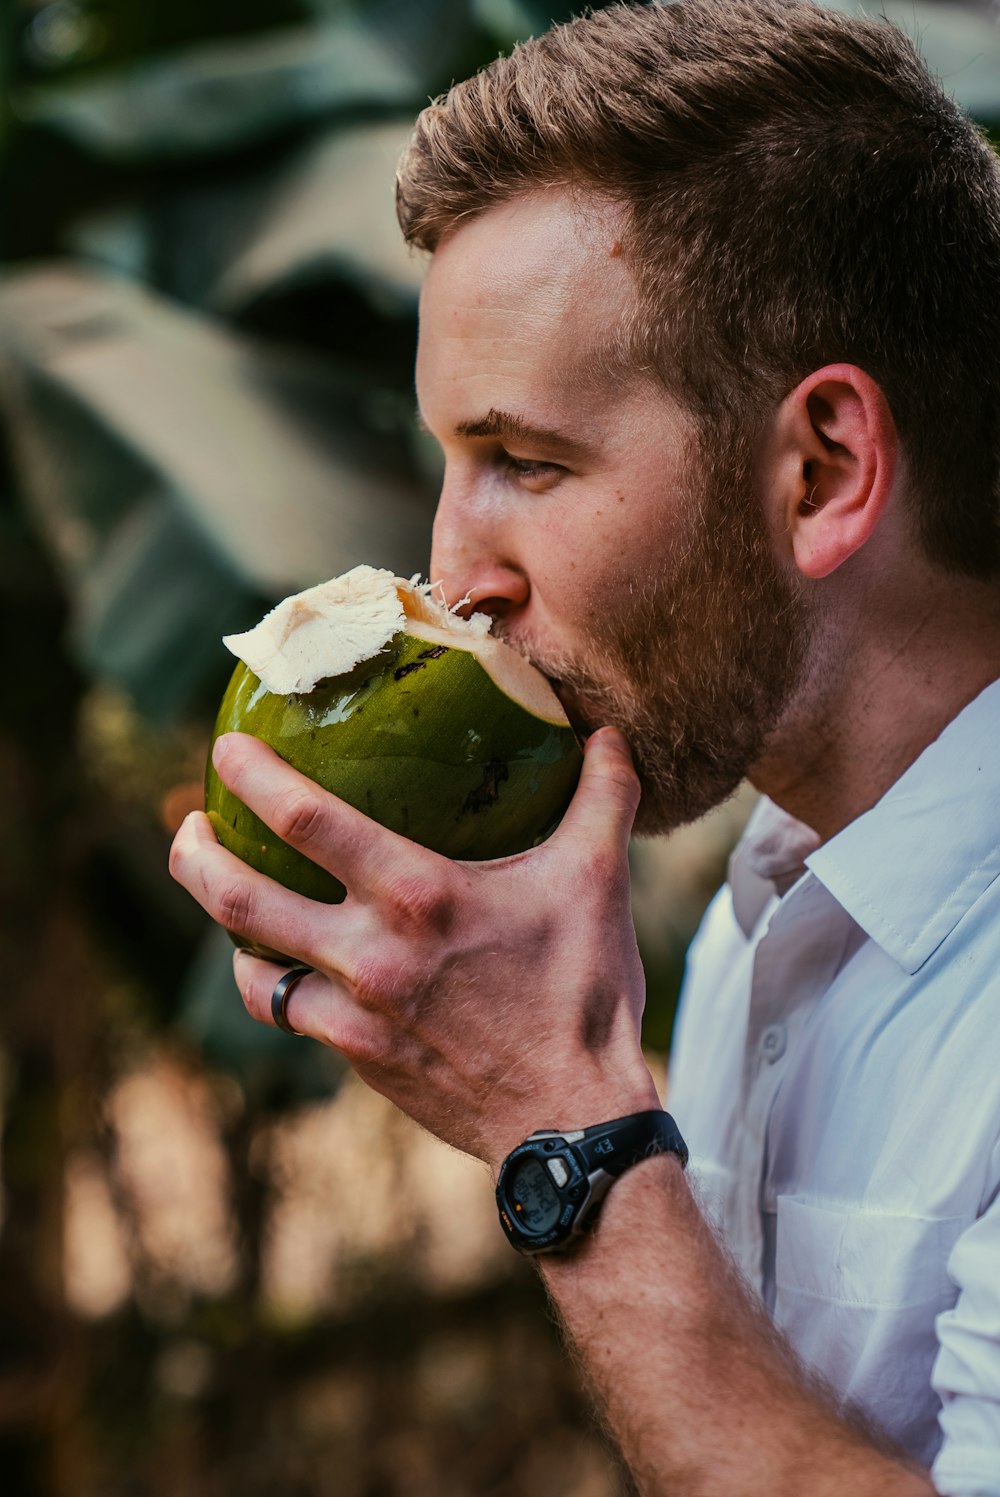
x=471, y=563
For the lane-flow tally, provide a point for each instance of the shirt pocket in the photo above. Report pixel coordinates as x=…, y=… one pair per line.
x=854, y=1257
x=857, y=1293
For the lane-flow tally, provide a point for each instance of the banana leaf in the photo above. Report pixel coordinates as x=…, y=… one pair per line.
x=329, y=214
x=182, y=474
x=216, y=96
x=323, y=217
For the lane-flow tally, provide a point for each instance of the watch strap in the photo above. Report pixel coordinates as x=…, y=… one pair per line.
x=617, y=1145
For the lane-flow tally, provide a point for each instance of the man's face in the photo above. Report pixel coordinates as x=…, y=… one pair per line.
x=581, y=509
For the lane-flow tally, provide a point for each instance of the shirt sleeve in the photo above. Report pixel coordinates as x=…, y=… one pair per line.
x=966, y=1372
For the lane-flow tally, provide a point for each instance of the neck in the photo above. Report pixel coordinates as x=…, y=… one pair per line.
x=876, y=694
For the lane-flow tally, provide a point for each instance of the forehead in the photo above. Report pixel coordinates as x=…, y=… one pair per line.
x=538, y=281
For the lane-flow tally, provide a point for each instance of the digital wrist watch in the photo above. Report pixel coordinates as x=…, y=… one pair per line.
x=550, y=1188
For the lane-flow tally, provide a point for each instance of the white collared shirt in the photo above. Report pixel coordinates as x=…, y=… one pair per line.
x=836, y=1074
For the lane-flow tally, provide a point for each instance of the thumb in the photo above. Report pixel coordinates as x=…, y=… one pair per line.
x=607, y=797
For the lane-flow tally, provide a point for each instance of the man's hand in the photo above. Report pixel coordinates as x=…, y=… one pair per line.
x=484, y=999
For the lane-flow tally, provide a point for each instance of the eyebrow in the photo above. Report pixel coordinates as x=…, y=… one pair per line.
x=514, y=428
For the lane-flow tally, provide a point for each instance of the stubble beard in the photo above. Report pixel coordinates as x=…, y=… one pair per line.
x=698, y=668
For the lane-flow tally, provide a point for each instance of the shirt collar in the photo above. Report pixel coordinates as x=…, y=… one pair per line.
x=768, y=860
x=907, y=870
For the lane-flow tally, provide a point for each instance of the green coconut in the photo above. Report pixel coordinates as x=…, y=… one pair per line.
x=407, y=711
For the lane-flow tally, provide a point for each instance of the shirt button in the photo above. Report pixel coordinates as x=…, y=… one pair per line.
x=773, y=1042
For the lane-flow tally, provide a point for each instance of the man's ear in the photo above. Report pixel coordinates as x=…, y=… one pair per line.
x=835, y=462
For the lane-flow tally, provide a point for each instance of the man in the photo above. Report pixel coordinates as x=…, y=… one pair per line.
x=711, y=342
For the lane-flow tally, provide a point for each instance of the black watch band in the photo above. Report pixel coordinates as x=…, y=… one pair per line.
x=550, y=1188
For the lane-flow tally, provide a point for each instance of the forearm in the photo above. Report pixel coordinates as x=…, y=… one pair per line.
x=700, y=1392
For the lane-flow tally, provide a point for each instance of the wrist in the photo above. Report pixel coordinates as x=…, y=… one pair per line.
x=656, y=1191
x=578, y=1106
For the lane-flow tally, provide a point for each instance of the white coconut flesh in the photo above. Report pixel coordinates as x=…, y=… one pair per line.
x=331, y=628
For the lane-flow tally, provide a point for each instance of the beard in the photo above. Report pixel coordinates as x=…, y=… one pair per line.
x=699, y=665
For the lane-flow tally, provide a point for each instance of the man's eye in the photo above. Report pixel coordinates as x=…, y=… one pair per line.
x=530, y=470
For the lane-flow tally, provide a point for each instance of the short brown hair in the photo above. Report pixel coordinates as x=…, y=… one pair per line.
x=798, y=191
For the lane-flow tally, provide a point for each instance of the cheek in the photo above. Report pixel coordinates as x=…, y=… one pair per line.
x=599, y=559
x=575, y=582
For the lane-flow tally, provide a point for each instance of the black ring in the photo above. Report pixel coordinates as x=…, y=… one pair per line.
x=281, y=994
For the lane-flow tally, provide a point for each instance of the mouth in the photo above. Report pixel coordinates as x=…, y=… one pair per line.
x=570, y=699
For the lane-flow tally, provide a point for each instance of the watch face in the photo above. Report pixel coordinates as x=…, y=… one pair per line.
x=534, y=1197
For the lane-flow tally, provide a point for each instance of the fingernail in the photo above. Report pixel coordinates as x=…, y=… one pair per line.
x=220, y=748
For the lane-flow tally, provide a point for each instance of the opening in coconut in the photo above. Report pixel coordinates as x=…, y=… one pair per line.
x=331, y=629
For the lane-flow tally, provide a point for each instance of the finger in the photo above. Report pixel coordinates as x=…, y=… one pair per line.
x=251, y=906
x=603, y=809
x=318, y=1006
x=332, y=833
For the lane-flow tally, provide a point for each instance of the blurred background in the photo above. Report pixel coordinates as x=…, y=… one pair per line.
x=224, y=1265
